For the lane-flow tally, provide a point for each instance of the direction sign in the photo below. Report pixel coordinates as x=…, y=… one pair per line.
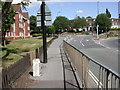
x=48, y=19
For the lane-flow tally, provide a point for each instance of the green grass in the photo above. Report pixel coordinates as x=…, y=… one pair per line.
x=16, y=49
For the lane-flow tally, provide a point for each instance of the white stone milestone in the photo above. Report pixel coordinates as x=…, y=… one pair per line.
x=36, y=67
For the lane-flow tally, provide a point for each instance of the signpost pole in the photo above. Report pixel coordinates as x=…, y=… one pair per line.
x=44, y=32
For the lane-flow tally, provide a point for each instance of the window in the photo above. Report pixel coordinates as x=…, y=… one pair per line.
x=28, y=28
x=11, y=34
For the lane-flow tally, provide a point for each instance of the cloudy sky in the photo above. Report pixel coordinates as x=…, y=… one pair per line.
x=73, y=8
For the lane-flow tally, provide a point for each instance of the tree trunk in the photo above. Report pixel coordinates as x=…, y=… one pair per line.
x=4, y=14
x=3, y=38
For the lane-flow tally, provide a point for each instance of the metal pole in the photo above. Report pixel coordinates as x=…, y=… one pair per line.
x=44, y=32
x=98, y=14
x=97, y=30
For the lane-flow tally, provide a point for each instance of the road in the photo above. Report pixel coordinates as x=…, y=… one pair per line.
x=104, y=51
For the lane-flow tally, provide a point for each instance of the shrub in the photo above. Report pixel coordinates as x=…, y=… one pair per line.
x=36, y=35
x=111, y=34
x=115, y=29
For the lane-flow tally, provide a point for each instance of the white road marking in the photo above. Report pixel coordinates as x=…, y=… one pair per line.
x=95, y=79
x=106, y=47
x=87, y=40
x=109, y=48
x=81, y=42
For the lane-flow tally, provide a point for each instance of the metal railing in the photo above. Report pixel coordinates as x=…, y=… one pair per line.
x=91, y=73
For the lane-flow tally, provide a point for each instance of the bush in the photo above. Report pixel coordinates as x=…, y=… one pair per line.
x=86, y=33
x=111, y=34
x=115, y=29
x=71, y=30
x=36, y=35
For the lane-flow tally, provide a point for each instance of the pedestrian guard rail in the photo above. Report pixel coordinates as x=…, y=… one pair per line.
x=91, y=73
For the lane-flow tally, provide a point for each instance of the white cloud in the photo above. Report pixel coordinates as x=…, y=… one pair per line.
x=16, y=1
x=33, y=4
x=79, y=11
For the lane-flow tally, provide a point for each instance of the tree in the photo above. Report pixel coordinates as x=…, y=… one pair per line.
x=108, y=13
x=88, y=17
x=8, y=21
x=6, y=4
x=80, y=22
x=32, y=22
x=6, y=7
x=33, y=25
x=61, y=23
x=50, y=30
x=104, y=22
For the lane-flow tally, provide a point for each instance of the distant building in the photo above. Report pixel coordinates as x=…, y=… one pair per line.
x=115, y=22
x=91, y=22
x=21, y=27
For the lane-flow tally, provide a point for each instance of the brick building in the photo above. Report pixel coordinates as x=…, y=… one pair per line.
x=21, y=28
x=115, y=22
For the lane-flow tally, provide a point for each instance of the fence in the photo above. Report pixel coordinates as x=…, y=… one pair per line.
x=92, y=74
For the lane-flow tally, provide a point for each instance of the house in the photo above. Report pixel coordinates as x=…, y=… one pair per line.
x=115, y=22
x=21, y=27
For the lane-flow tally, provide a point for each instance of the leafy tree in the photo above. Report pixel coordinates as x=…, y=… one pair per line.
x=84, y=23
x=33, y=25
x=80, y=22
x=108, y=13
x=104, y=22
x=60, y=23
x=77, y=22
x=6, y=9
x=89, y=17
x=8, y=21
x=32, y=22
x=6, y=4
x=50, y=30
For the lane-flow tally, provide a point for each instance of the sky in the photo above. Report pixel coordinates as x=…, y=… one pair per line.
x=76, y=8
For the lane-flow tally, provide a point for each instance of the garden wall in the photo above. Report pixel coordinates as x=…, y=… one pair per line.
x=13, y=72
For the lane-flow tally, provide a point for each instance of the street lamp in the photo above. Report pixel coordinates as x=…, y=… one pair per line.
x=97, y=30
x=98, y=14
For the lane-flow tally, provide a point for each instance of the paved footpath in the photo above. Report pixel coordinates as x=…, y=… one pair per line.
x=52, y=71
x=56, y=73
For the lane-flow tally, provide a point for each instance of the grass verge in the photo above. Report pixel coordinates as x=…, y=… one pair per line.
x=16, y=49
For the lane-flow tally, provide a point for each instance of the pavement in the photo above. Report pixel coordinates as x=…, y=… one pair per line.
x=53, y=74
x=52, y=71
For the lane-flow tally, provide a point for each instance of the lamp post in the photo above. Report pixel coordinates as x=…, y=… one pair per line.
x=98, y=14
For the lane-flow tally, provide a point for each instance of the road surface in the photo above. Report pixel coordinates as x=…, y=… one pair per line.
x=105, y=52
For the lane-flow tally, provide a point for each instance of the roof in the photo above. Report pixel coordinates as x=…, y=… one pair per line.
x=17, y=7
x=25, y=14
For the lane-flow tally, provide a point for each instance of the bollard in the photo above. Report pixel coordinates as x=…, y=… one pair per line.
x=36, y=67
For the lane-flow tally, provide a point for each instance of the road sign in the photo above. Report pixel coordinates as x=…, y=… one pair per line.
x=48, y=20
